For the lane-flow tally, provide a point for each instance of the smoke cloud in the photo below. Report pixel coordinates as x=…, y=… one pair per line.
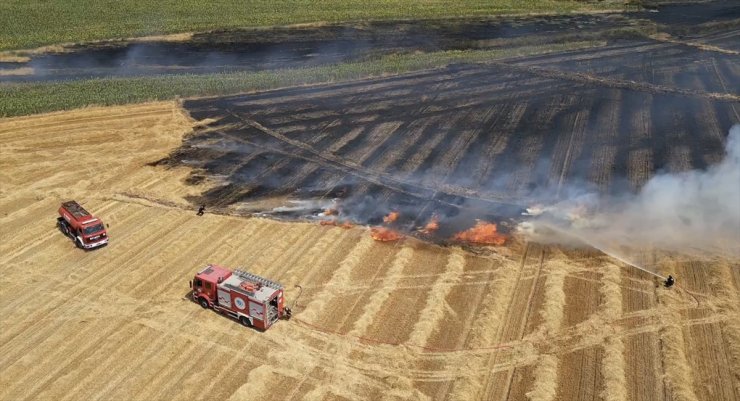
x=694, y=212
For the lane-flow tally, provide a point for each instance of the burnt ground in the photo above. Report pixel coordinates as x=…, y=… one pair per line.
x=264, y=49
x=469, y=142
x=253, y=50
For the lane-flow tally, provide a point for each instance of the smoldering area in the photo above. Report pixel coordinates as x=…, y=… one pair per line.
x=462, y=144
x=307, y=46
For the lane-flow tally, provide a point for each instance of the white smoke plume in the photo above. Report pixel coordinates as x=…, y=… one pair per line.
x=693, y=212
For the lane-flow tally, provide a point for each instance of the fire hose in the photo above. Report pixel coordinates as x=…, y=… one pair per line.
x=289, y=309
x=381, y=342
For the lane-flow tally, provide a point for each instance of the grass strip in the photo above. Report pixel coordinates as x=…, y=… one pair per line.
x=18, y=99
x=31, y=23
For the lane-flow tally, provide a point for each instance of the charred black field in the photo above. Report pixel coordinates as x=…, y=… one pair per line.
x=274, y=48
x=321, y=44
x=471, y=141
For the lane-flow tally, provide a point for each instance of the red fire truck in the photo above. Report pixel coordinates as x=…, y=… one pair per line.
x=253, y=300
x=86, y=230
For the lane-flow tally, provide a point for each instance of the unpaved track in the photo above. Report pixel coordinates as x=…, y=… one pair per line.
x=375, y=321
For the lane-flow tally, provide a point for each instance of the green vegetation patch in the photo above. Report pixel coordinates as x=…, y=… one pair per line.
x=30, y=98
x=32, y=23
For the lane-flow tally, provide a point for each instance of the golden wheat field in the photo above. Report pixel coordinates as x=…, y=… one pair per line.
x=375, y=321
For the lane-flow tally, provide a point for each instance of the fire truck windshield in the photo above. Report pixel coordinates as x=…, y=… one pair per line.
x=93, y=229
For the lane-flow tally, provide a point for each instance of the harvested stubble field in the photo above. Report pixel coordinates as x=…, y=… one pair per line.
x=407, y=320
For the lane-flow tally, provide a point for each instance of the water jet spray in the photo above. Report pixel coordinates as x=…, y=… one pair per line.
x=602, y=249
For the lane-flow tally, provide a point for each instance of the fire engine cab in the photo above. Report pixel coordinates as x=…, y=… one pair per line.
x=253, y=300
x=86, y=230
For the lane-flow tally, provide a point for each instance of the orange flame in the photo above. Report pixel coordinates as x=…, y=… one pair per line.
x=482, y=233
x=431, y=227
x=392, y=216
x=384, y=234
x=330, y=212
x=336, y=223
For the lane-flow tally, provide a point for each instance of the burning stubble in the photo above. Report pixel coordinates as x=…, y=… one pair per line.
x=694, y=212
x=367, y=149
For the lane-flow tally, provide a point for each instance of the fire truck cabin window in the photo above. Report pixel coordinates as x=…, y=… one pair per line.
x=93, y=229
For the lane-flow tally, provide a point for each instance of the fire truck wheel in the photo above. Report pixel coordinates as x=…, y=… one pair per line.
x=245, y=322
x=203, y=302
x=78, y=243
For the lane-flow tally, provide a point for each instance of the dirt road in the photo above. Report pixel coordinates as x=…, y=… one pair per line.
x=405, y=320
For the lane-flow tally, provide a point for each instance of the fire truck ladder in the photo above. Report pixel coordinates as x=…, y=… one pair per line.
x=257, y=279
